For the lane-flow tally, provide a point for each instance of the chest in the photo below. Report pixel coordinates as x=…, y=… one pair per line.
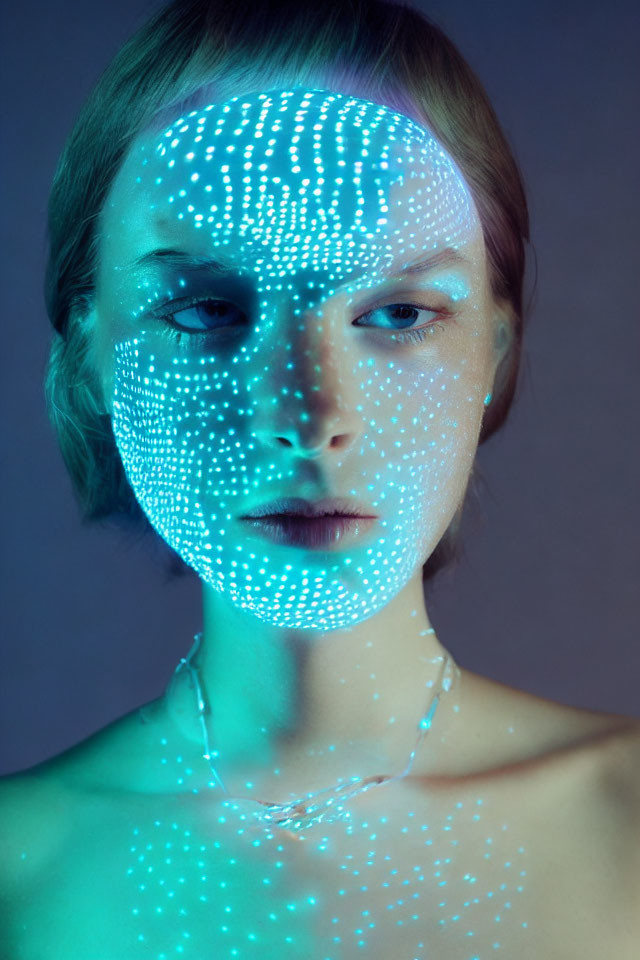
x=450, y=877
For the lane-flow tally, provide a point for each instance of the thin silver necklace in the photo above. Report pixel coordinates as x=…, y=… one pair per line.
x=327, y=804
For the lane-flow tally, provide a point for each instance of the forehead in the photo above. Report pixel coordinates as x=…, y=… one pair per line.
x=292, y=179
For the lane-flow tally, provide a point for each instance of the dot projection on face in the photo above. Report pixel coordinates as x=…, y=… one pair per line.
x=307, y=178
x=306, y=193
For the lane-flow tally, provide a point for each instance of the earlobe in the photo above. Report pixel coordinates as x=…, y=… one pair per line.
x=85, y=316
x=504, y=332
x=83, y=322
x=502, y=340
x=502, y=344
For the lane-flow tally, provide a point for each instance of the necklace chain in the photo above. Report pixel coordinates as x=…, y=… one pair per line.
x=299, y=813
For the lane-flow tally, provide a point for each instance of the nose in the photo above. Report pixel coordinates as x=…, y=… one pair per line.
x=307, y=405
x=320, y=426
x=336, y=441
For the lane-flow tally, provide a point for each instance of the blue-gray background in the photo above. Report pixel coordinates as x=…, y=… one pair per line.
x=547, y=597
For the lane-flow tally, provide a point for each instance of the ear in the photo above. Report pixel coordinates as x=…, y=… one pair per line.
x=84, y=330
x=503, y=339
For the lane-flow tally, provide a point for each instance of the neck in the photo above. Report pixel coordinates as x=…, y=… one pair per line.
x=295, y=710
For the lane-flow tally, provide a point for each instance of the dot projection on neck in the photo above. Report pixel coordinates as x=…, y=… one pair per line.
x=306, y=196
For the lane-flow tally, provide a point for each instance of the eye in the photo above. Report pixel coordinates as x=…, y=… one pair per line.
x=203, y=316
x=400, y=318
x=404, y=314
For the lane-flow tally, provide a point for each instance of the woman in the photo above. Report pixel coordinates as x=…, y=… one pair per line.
x=285, y=274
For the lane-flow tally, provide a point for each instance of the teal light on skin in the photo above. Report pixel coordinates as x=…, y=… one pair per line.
x=297, y=211
x=307, y=196
x=392, y=886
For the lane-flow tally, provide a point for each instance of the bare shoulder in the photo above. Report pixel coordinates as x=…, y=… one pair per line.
x=610, y=785
x=38, y=805
x=575, y=776
x=35, y=815
x=616, y=767
x=592, y=818
x=503, y=728
x=620, y=753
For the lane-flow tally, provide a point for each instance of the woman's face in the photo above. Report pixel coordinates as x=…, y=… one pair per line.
x=283, y=349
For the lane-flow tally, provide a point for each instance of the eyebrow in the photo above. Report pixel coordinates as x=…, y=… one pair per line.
x=446, y=256
x=179, y=258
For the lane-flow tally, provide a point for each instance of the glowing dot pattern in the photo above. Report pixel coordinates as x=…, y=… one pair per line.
x=312, y=190
x=391, y=884
x=305, y=191
x=308, y=179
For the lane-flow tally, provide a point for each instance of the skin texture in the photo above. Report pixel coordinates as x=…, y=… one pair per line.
x=305, y=377
x=510, y=835
x=314, y=384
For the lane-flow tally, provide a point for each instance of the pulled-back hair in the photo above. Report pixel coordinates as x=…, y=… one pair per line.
x=373, y=49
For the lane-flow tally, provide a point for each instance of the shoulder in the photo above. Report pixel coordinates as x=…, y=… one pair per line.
x=615, y=766
x=498, y=727
x=577, y=773
x=38, y=805
x=620, y=761
x=35, y=814
x=586, y=817
x=610, y=784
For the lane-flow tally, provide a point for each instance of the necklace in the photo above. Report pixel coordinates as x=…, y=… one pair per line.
x=327, y=804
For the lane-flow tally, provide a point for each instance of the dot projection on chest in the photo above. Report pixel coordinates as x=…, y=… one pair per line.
x=398, y=884
x=305, y=193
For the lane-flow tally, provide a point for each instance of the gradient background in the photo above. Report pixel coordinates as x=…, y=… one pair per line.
x=546, y=598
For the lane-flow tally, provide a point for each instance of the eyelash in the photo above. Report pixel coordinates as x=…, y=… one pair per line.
x=413, y=335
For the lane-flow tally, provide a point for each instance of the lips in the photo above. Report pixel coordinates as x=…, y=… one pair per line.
x=313, y=533
x=298, y=507
x=321, y=525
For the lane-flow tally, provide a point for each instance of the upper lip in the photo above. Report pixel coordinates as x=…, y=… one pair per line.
x=297, y=506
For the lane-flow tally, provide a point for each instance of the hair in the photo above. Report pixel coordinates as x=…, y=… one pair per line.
x=375, y=49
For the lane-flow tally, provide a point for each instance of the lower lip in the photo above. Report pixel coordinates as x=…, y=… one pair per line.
x=315, y=533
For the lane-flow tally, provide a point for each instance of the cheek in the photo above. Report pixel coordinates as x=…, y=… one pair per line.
x=438, y=393
x=446, y=446
x=108, y=333
x=432, y=437
x=206, y=425
x=186, y=432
